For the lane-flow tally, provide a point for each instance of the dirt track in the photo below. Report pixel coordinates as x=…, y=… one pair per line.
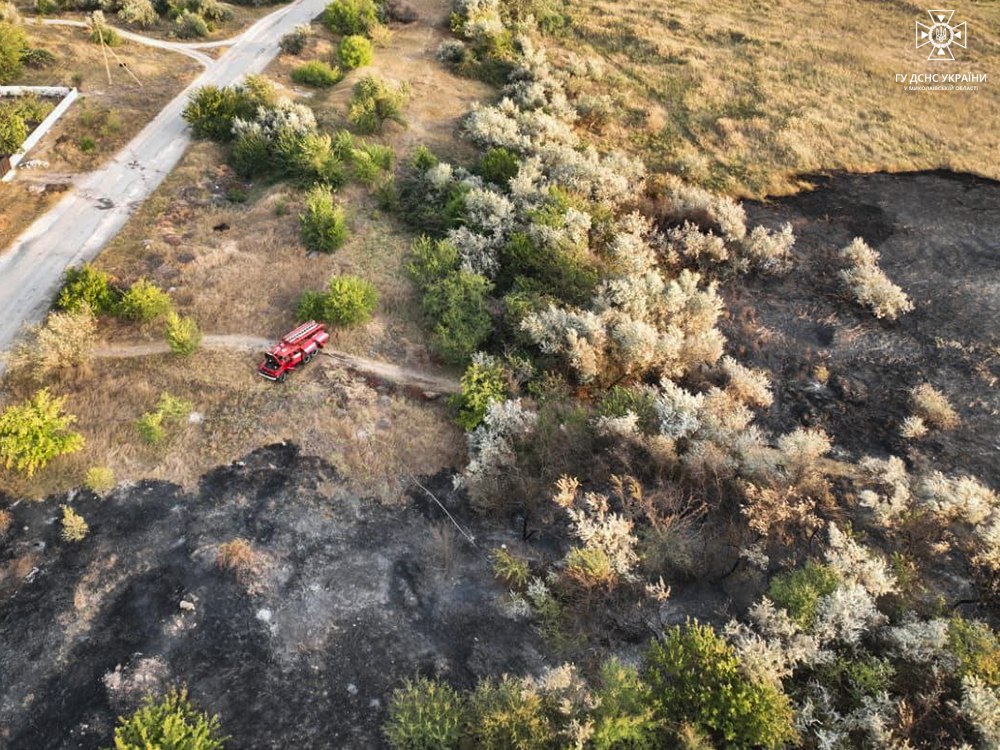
x=404, y=377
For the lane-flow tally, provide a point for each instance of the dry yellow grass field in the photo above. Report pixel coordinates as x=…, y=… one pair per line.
x=109, y=114
x=741, y=96
x=374, y=439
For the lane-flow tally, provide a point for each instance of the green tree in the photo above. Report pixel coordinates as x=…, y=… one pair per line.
x=13, y=129
x=505, y=715
x=623, y=718
x=348, y=301
x=425, y=715
x=144, y=302
x=35, y=432
x=376, y=102
x=86, y=286
x=457, y=308
x=483, y=382
x=499, y=165
x=350, y=16
x=355, y=51
x=182, y=334
x=13, y=48
x=799, y=591
x=695, y=677
x=324, y=227
x=431, y=260
x=171, y=723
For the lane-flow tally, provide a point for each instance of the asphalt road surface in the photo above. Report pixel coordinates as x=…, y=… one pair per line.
x=76, y=228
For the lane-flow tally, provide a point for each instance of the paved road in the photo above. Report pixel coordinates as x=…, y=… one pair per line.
x=76, y=228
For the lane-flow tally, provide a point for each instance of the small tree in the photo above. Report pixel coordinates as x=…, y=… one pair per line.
x=74, y=526
x=100, y=480
x=376, y=102
x=695, y=676
x=350, y=16
x=295, y=40
x=349, y=301
x=183, y=335
x=456, y=305
x=425, y=715
x=355, y=51
x=35, y=432
x=191, y=25
x=138, y=12
x=86, y=286
x=324, y=227
x=64, y=343
x=211, y=111
x=144, y=302
x=13, y=47
x=13, y=129
x=483, y=382
x=171, y=723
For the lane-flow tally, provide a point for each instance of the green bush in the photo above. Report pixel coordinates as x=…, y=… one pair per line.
x=431, y=260
x=499, y=166
x=13, y=130
x=695, y=677
x=182, y=334
x=623, y=718
x=87, y=144
x=483, y=382
x=86, y=286
x=504, y=715
x=554, y=271
x=100, y=480
x=211, y=111
x=350, y=16
x=355, y=52
x=251, y=155
x=191, y=25
x=324, y=227
x=35, y=432
x=317, y=73
x=313, y=158
x=294, y=41
x=425, y=715
x=348, y=301
x=457, y=307
x=856, y=677
x=13, y=47
x=171, y=723
x=976, y=648
x=370, y=161
x=144, y=302
x=376, y=102
x=618, y=401
x=169, y=409
x=799, y=591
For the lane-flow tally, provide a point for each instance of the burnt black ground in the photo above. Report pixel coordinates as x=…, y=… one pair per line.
x=360, y=596
x=939, y=237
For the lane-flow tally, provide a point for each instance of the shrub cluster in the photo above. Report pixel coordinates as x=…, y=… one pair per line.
x=869, y=284
x=35, y=432
x=170, y=412
x=348, y=301
x=690, y=683
x=171, y=722
x=354, y=51
x=317, y=73
x=376, y=102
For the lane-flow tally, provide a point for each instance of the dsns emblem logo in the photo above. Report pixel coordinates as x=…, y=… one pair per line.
x=940, y=35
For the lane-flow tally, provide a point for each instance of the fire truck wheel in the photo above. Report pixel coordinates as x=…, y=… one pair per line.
x=307, y=358
x=283, y=377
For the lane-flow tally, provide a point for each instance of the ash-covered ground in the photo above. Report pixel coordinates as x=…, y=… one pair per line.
x=836, y=366
x=354, y=597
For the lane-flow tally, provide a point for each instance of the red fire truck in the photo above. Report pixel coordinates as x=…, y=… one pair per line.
x=295, y=349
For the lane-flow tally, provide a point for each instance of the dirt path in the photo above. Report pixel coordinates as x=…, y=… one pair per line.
x=190, y=50
x=404, y=377
x=93, y=211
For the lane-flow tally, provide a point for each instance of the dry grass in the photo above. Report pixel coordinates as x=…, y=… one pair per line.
x=374, y=440
x=109, y=114
x=741, y=96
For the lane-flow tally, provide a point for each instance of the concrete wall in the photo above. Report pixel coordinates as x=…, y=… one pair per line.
x=67, y=95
